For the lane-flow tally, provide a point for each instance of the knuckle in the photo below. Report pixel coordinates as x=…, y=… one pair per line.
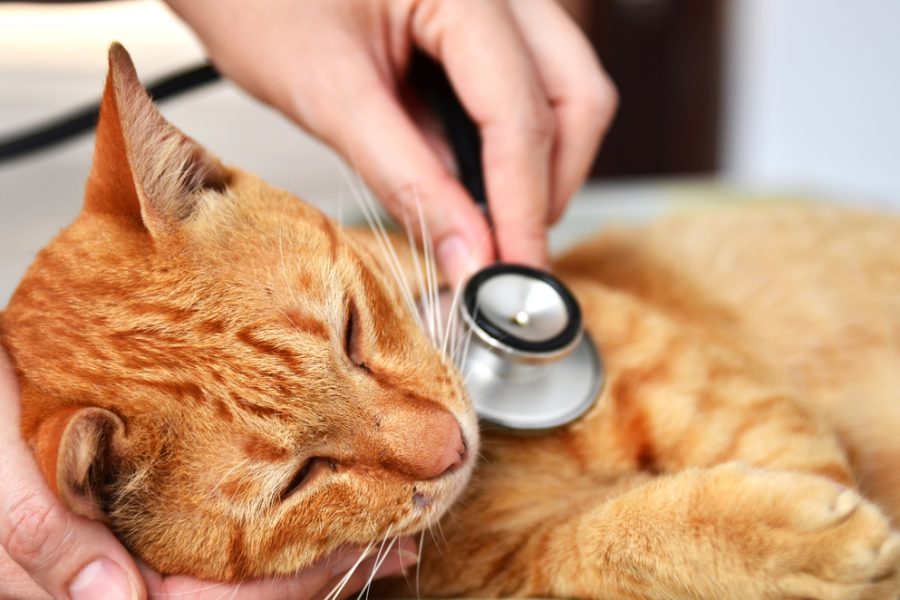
x=543, y=121
x=433, y=18
x=599, y=102
x=37, y=533
x=534, y=124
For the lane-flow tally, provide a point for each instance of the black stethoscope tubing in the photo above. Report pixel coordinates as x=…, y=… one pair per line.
x=83, y=120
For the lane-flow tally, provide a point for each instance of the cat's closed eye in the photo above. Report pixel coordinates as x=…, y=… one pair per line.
x=301, y=476
x=352, y=342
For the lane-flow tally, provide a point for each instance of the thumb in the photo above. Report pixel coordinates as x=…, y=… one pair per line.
x=67, y=555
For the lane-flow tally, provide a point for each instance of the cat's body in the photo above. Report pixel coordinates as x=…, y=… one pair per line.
x=186, y=346
x=743, y=347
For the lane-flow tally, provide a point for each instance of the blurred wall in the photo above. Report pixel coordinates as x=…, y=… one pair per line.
x=812, y=96
x=665, y=57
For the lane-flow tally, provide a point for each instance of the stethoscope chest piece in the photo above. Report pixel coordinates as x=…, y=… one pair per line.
x=530, y=366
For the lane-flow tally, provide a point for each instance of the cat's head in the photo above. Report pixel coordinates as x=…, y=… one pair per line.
x=212, y=367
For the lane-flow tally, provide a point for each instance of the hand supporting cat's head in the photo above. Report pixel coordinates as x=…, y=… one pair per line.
x=213, y=368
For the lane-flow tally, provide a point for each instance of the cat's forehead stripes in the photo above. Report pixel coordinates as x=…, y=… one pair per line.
x=168, y=311
x=258, y=410
x=223, y=411
x=261, y=449
x=237, y=554
x=383, y=310
x=252, y=337
x=238, y=487
x=307, y=324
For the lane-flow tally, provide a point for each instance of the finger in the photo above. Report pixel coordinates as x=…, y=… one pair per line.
x=395, y=562
x=377, y=137
x=315, y=581
x=15, y=583
x=583, y=97
x=494, y=75
x=306, y=584
x=67, y=555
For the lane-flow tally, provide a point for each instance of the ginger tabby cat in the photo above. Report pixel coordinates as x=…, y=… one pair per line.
x=234, y=385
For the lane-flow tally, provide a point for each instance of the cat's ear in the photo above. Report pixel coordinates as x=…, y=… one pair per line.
x=145, y=171
x=79, y=451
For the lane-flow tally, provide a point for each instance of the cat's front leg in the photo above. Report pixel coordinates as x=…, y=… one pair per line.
x=727, y=532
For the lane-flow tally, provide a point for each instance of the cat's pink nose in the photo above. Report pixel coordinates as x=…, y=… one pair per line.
x=423, y=443
x=453, y=455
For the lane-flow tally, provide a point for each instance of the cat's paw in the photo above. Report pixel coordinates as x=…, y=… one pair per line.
x=814, y=538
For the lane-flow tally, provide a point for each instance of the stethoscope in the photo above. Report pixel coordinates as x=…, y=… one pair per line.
x=530, y=365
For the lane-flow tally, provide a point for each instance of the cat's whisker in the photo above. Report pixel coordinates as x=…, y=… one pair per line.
x=417, y=265
x=389, y=251
x=228, y=473
x=337, y=589
x=377, y=566
x=427, y=295
x=440, y=529
x=450, y=332
x=464, y=352
x=457, y=296
x=453, y=324
x=431, y=274
x=453, y=327
x=461, y=352
x=467, y=340
x=234, y=591
x=380, y=557
x=419, y=563
x=373, y=218
x=434, y=539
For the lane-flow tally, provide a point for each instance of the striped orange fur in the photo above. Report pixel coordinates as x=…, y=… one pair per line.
x=185, y=359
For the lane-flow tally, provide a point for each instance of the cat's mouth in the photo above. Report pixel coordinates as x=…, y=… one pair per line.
x=427, y=504
x=430, y=499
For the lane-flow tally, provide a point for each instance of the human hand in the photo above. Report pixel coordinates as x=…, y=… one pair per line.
x=316, y=581
x=47, y=550
x=522, y=69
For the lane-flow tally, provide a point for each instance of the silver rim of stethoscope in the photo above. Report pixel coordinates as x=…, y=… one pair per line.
x=530, y=365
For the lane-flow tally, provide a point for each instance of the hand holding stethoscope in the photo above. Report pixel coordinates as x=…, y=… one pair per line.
x=530, y=365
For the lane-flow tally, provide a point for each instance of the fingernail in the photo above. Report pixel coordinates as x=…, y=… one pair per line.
x=102, y=580
x=454, y=258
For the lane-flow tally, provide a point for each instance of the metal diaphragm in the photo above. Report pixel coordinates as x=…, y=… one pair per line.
x=530, y=365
